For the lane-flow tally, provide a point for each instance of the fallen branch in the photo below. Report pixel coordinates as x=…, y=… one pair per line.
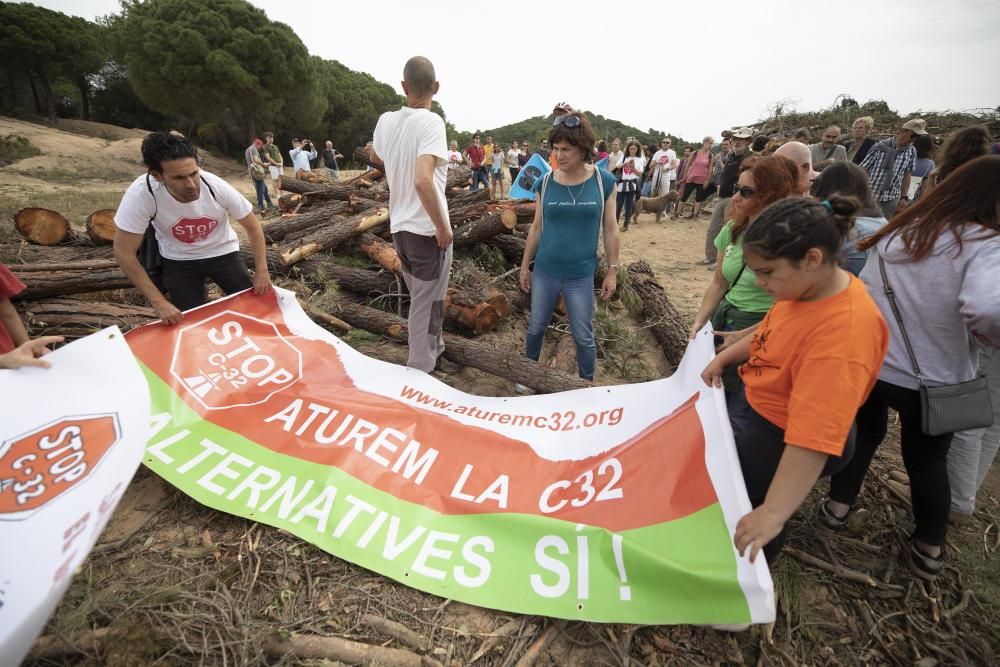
x=397, y=631
x=842, y=572
x=353, y=653
x=540, y=644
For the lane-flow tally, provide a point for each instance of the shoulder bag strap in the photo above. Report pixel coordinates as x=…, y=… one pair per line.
x=600, y=187
x=899, y=319
x=734, y=283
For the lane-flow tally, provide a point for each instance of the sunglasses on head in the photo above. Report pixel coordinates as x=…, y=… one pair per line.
x=745, y=192
x=568, y=121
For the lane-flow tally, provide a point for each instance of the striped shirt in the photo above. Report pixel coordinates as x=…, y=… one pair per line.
x=874, y=162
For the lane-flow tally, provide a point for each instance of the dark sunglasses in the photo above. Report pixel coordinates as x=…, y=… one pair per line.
x=745, y=192
x=568, y=121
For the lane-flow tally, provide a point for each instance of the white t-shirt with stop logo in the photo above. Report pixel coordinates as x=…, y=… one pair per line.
x=197, y=230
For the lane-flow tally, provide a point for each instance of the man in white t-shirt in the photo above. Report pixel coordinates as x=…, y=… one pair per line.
x=666, y=163
x=189, y=210
x=412, y=149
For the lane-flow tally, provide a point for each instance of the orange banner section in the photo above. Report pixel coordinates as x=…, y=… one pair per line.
x=238, y=365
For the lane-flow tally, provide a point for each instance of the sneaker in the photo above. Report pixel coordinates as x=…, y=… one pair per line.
x=925, y=566
x=705, y=262
x=828, y=518
x=710, y=267
x=521, y=389
x=447, y=366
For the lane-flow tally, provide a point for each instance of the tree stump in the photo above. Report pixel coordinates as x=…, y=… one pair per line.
x=101, y=226
x=42, y=226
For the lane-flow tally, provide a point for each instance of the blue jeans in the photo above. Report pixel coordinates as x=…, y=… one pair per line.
x=479, y=175
x=579, y=295
x=262, y=193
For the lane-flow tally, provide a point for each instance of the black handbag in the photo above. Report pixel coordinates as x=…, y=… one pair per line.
x=947, y=408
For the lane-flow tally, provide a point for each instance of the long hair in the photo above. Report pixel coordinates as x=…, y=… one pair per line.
x=969, y=195
x=961, y=146
x=774, y=177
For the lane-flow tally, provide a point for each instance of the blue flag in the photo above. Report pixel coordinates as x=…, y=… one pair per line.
x=602, y=163
x=533, y=170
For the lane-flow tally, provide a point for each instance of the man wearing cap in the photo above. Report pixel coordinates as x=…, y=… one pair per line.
x=889, y=164
x=727, y=183
x=827, y=151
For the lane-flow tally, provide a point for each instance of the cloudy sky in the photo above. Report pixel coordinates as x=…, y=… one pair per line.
x=691, y=68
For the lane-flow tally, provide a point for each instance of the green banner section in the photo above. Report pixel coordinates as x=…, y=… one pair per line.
x=681, y=571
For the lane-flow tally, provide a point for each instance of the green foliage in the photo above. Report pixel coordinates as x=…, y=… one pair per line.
x=15, y=147
x=222, y=62
x=537, y=128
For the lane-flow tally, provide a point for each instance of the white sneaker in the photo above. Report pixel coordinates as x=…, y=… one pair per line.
x=521, y=389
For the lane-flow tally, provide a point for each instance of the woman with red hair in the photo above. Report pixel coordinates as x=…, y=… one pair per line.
x=733, y=302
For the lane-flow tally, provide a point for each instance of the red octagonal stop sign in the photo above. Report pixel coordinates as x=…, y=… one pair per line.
x=234, y=360
x=193, y=230
x=45, y=463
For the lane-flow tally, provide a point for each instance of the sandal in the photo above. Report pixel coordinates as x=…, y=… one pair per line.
x=924, y=565
x=828, y=518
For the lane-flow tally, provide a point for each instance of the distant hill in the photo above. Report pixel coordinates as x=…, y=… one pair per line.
x=537, y=128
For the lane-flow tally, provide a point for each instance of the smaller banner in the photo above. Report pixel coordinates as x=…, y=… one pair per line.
x=71, y=438
x=533, y=170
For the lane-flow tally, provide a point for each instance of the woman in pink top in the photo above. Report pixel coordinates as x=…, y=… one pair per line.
x=696, y=177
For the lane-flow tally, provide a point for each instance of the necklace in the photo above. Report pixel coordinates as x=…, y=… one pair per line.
x=578, y=192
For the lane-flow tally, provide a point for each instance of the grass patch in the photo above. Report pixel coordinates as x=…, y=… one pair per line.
x=14, y=147
x=356, y=337
x=61, y=176
x=620, y=346
x=787, y=577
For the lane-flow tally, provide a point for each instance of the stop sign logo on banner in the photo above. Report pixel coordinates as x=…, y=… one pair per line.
x=45, y=463
x=234, y=360
x=193, y=230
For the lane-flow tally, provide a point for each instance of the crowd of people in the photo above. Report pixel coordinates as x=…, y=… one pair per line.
x=264, y=163
x=841, y=288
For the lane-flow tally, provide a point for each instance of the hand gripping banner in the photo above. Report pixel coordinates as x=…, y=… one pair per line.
x=613, y=504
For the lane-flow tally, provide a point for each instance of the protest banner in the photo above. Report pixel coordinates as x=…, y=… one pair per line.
x=609, y=504
x=532, y=170
x=71, y=438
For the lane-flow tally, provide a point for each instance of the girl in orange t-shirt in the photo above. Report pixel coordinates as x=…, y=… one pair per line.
x=809, y=366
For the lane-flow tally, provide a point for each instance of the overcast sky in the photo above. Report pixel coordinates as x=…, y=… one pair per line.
x=690, y=68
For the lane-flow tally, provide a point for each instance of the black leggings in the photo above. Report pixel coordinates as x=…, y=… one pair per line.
x=760, y=446
x=924, y=456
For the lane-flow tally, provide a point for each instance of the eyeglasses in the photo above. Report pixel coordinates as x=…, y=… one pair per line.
x=568, y=121
x=664, y=143
x=745, y=192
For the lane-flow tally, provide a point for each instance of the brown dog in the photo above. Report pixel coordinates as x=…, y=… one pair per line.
x=654, y=204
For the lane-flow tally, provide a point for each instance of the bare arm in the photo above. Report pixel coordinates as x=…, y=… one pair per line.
x=796, y=475
x=611, y=244
x=423, y=183
x=126, y=245
x=374, y=159
x=261, y=278
x=905, y=187
x=531, y=245
x=713, y=297
x=11, y=320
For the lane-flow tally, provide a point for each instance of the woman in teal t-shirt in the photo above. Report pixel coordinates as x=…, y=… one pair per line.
x=734, y=302
x=572, y=204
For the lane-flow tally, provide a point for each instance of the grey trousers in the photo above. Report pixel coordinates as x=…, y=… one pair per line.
x=714, y=227
x=972, y=452
x=426, y=269
x=889, y=208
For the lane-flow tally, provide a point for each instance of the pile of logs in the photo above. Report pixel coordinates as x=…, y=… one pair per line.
x=329, y=234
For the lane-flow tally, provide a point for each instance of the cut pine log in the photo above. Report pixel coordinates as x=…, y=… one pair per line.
x=101, y=226
x=332, y=235
x=42, y=226
x=668, y=325
x=488, y=226
x=289, y=202
x=330, y=190
x=41, y=284
x=511, y=246
x=77, y=317
x=469, y=315
x=381, y=252
x=318, y=270
x=486, y=357
x=317, y=215
x=459, y=176
x=26, y=253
